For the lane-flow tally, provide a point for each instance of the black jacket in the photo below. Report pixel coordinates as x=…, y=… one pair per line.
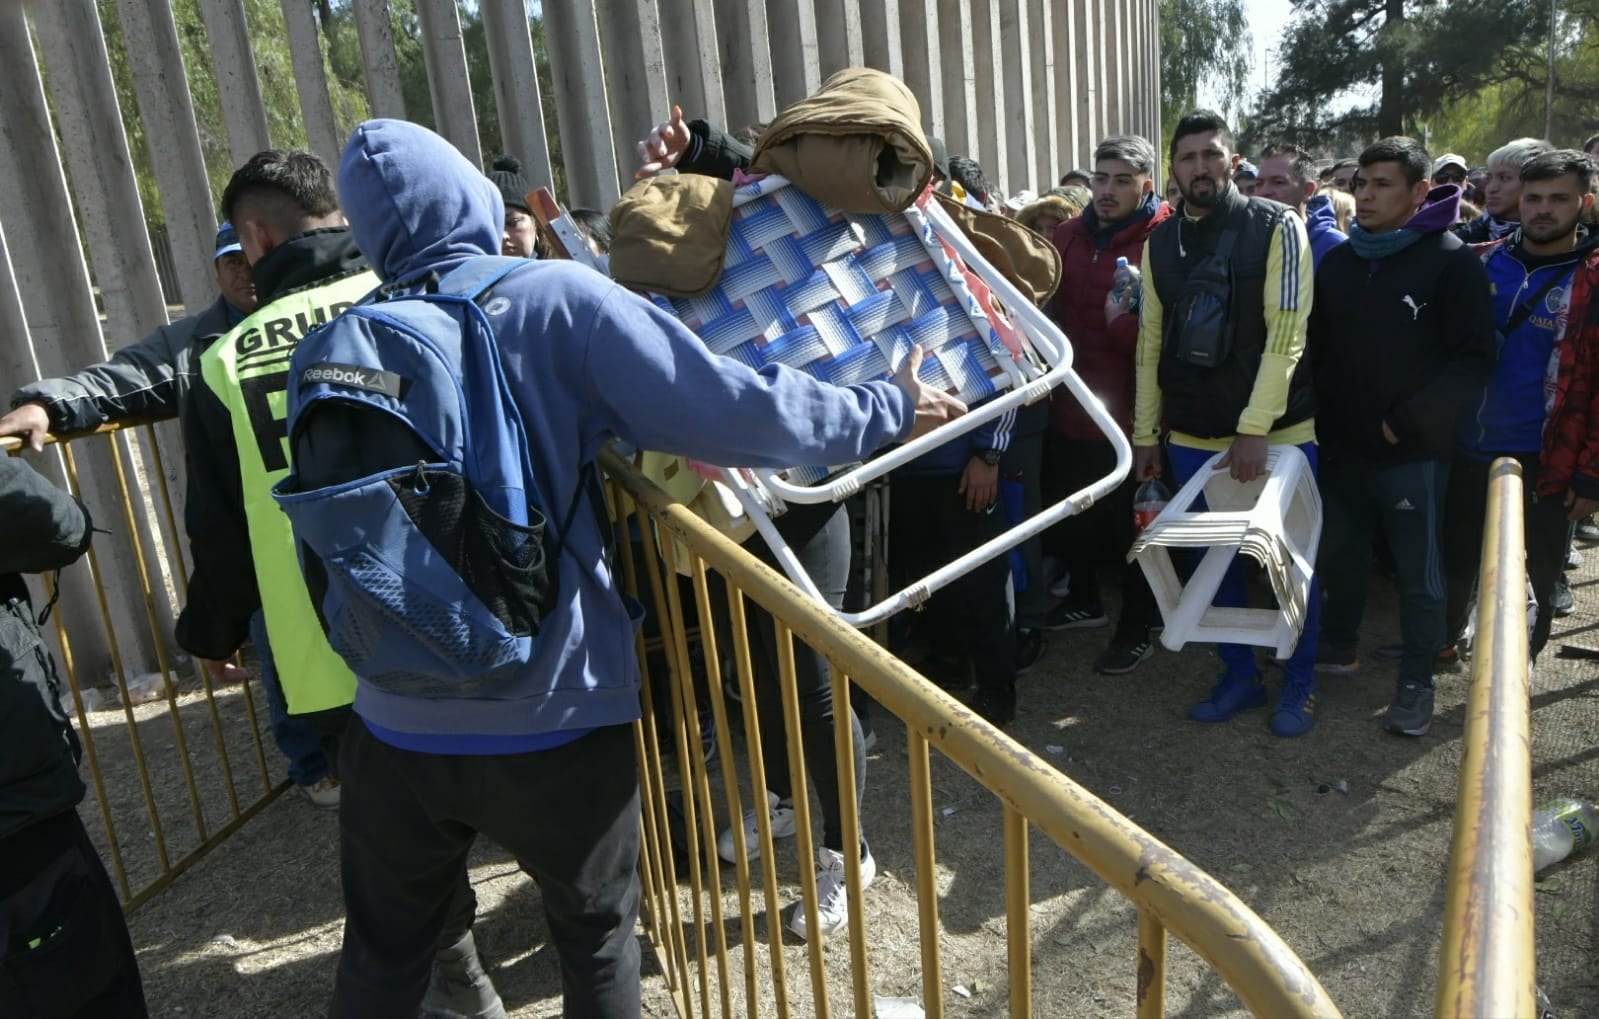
x=713, y=152
x=45, y=529
x=1207, y=401
x=145, y=380
x=222, y=586
x=1407, y=339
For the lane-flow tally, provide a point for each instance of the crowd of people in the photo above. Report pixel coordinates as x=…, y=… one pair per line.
x=1358, y=309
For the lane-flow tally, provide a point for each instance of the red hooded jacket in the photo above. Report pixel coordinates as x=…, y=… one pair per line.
x=1103, y=355
x=1571, y=435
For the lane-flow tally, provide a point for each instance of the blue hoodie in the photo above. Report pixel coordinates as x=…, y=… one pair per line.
x=588, y=362
x=1321, y=226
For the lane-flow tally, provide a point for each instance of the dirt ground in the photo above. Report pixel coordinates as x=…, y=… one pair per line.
x=1353, y=881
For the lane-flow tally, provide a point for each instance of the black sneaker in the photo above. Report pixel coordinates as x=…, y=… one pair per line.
x=1337, y=661
x=1077, y=616
x=1562, y=603
x=1029, y=646
x=1411, y=712
x=1123, y=657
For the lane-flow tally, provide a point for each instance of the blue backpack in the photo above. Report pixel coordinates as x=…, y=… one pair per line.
x=417, y=518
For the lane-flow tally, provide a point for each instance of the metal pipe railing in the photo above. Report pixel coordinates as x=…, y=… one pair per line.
x=1486, y=964
x=1169, y=892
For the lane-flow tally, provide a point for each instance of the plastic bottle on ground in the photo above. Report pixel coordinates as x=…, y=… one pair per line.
x=1560, y=827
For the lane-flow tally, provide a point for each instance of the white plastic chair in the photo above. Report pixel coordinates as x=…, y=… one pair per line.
x=844, y=297
x=1275, y=519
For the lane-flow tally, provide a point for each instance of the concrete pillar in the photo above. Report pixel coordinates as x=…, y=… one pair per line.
x=378, y=59
x=449, y=84
x=516, y=87
x=1090, y=124
x=748, y=89
x=880, y=40
x=960, y=82
x=838, y=33
x=233, y=67
x=580, y=105
x=1068, y=136
x=64, y=326
x=988, y=71
x=796, y=56
x=1039, y=38
x=311, y=81
x=1158, y=135
x=923, y=60
x=693, y=64
x=1018, y=100
x=1104, y=30
x=173, y=144
x=635, y=74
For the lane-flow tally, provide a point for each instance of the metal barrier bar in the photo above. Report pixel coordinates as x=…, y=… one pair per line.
x=1151, y=966
x=1018, y=926
x=844, y=755
x=172, y=853
x=1486, y=965
x=1171, y=894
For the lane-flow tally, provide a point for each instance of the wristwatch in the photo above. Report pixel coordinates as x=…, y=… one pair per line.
x=991, y=457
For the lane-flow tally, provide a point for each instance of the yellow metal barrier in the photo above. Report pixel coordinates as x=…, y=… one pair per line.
x=126, y=748
x=686, y=923
x=1486, y=965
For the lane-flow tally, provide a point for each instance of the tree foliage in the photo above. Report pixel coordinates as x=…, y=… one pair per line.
x=1365, y=68
x=341, y=52
x=1202, y=43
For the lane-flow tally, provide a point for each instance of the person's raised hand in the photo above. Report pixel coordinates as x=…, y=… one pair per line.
x=934, y=407
x=664, y=147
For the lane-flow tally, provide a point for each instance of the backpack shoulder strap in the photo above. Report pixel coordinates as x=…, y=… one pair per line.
x=476, y=275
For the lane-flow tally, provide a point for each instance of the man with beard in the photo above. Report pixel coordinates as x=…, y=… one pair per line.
x=1224, y=369
x=1538, y=403
x=1501, y=191
x=1400, y=342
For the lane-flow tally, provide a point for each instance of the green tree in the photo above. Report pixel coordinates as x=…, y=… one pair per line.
x=1202, y=42
x=1365, y=68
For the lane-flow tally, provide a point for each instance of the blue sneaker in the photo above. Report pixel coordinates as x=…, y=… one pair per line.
x=1228, y=697
x=1296, y=711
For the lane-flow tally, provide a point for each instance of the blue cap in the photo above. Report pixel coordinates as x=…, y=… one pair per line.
x=227, y=241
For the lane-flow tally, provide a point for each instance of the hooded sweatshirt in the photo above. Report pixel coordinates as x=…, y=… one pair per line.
x=1321, y=226
x=586, y=362
x=1401, y=332
x=1535, y=292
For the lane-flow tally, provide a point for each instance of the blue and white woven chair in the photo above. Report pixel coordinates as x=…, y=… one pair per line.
x=844, y=297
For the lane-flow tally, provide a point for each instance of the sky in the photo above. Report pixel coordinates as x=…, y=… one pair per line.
x=1267, y=19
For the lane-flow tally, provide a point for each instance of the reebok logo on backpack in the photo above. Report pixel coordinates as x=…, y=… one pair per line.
x=420, y=529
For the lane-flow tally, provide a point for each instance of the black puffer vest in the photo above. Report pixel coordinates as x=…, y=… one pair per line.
x=1207, y=402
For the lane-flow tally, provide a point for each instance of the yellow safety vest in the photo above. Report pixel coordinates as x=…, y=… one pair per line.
x=248, y=370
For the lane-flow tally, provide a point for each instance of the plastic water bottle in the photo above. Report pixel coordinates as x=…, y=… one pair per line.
x=1127, y=278
x=1559, y=827
x=1148, y=501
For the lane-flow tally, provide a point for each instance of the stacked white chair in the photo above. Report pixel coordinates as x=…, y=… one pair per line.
x=1275, y=520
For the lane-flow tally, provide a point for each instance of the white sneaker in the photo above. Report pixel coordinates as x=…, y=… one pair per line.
x=832, y=897
x=781, y=814
x=323, y=793
x=1062, y=585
